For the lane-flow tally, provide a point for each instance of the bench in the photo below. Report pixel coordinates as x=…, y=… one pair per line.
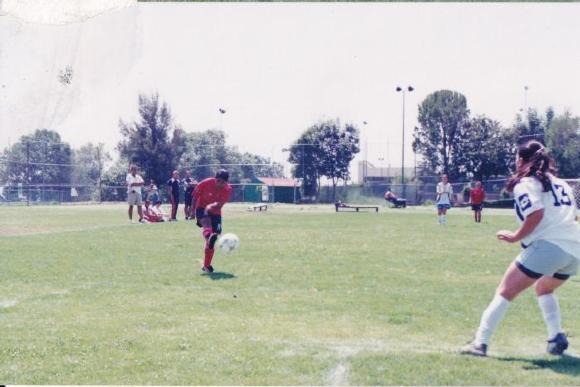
x=350, y=208
x=258, y=207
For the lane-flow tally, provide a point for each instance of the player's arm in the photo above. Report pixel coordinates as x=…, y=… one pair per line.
x=529, y=225
x=529, y=207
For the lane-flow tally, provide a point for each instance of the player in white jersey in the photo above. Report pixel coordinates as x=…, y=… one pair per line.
x=444, y=194
x=550, y=236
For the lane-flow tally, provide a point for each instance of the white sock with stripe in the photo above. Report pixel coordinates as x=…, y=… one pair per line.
x=490, y=319
x=551, y=311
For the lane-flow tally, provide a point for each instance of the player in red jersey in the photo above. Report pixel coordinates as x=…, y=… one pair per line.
x=210, y=196
x=476, y=196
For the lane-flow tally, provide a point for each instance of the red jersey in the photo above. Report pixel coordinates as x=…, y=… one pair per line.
x=207, y=192
x=477, y=195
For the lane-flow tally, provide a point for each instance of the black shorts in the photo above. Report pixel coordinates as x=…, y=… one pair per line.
x=188, y=199
x=477, y=207
x=216, y=220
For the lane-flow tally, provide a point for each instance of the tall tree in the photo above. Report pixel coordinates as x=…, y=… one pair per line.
x=485, y=149
x=442, y=116
x=146, y=141
x=89, y=166
x=325, y=149
x=563, y=140
x=40, y=158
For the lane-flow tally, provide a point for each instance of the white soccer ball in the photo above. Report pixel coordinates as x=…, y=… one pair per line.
x=229, y=242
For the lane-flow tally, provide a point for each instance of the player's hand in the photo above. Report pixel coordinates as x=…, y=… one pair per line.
x=506, y=236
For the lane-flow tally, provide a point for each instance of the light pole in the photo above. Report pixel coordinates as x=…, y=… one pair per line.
x=409, y=89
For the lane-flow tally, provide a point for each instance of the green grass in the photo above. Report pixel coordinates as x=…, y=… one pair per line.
x=312, y=297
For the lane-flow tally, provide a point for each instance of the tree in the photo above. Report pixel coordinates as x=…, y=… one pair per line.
x=89, y=162
x=485, y=149
x=40, y=158
x=442, y=116
x=147, y=143
x=532, y=126
x=203, y=152
x=563, y=141
x=325, y=149
x=206, y=151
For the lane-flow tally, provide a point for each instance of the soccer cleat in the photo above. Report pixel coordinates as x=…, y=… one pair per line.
x=207, y=269
x=475, y=350
x=212, y=239
x=558, y=344
x=210, y=267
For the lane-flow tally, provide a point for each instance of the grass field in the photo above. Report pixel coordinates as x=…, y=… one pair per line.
x=311, y=297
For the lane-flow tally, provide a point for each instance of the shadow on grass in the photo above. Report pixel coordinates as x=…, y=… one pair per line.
x=566, y=364
x=217, y=275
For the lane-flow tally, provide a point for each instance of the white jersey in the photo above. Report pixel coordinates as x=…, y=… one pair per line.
x=134, y=179
x=559, y=225
x=444, y=192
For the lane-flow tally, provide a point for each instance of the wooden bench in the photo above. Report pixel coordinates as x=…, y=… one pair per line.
x=258, y=207
x=351, y=208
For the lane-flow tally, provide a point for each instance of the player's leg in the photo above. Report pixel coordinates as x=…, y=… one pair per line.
x=547, y=301
x=550, y=308
x=216, y=229
x=440, y=213
x=140, y=212
x=513, y=283
x=130, y=213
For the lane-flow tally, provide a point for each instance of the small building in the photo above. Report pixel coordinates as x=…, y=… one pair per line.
x=272, y=189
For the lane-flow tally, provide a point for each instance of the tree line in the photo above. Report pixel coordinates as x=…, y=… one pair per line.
x=448, y=139
x=451, y=141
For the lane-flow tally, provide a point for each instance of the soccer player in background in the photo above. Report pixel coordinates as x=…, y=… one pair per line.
x=188, y=185
x=210, y=196
x=476, y=197
x=173, y=190
x=550, y=237
x=444, y=193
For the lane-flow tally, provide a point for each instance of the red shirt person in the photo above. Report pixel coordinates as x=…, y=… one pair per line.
x=477, y=196
x=210, y=196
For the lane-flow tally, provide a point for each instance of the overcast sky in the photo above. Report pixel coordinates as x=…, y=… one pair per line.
x=278, y=68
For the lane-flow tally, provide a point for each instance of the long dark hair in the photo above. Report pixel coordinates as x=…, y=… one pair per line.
x=534, y=162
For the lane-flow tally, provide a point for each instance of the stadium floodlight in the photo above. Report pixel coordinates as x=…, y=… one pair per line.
x=400, y=89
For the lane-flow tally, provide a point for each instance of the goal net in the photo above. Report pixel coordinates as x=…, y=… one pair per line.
x=575, y=185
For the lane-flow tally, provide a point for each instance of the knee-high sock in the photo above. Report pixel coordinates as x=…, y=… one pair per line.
x=206, y=232
x=551, y=312
x=491, y=318
x=208, y=256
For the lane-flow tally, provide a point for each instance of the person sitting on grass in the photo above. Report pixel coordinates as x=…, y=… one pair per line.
x=394, y=200
x=150, y=214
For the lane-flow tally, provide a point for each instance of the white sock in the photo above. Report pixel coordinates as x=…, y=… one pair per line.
x=490, y=319
x=440, y=219
x=551, y=312
x=444, y=219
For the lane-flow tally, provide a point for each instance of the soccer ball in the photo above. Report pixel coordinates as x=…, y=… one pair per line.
x=229, y=242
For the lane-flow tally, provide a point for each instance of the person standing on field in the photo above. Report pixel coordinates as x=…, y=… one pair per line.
x=476, y=197
x=550, y=237
x=134, y=184
x=173, y=190
x=444, y=195
x=189, y=185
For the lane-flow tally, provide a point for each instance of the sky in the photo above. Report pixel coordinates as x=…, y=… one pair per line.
x=278, y=68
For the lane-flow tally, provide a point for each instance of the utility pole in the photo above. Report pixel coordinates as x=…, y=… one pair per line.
x=100, y=171
x=27, y=174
